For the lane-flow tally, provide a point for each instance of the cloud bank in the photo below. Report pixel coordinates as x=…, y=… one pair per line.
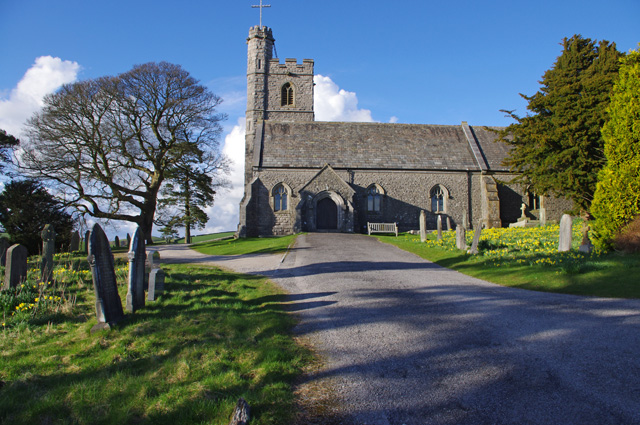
x=45, y=76
x=331, y=103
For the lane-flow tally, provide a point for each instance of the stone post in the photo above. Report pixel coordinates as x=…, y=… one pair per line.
x=461, y=242
x=48, y=235
x=423, y=226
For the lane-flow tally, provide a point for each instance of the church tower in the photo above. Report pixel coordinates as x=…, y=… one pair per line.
x=275, y=91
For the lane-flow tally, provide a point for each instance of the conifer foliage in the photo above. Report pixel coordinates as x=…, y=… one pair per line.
x=557, y=148
x=617, y=198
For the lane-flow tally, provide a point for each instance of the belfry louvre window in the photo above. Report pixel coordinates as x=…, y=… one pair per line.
x=287, y=95
x=280, y=199
x=374, y=199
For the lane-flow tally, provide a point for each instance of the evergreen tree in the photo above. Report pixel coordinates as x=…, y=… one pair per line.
x=617, y=198
x=25, y=208
x=188, y=190
x=558, y=149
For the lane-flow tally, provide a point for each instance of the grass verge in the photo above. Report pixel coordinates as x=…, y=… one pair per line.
x=212, y=337
x=528, y=259
x=275, y=245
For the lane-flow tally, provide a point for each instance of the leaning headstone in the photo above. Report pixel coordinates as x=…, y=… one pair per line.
x=439, y=224
x=4, y=246
x=108, y=302
x=86, y=241
x=476, y=239
x=48, y=249
x=241, y=414
x=564, y=242
x=116, y=242
x=137, y=257
x=74, y=245
x=156, y=284
x=16, y=268
x=461, y=242
x=423, y=226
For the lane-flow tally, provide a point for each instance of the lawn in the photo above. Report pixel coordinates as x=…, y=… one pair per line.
x=212, y=337
x=204, y=238
x=528, y=258
x=275, y=245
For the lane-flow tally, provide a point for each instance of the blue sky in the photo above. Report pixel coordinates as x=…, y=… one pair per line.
x=423, y=62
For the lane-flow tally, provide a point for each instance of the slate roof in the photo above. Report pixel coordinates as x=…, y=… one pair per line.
x=376, y=145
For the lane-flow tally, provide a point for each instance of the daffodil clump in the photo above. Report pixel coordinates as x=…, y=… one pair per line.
x=35, y=298
x=532, y=246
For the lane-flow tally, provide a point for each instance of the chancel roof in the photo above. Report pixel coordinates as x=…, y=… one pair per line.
x=380, y=146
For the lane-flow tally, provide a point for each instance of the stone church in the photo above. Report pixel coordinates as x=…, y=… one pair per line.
x=303, y=175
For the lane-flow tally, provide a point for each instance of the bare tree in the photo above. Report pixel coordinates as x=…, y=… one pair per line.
x=107, y=144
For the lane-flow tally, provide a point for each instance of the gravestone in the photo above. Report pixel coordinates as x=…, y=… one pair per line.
x=137, y=257
x=523, y=209
x=461, y=242
x=439, y=224
x=543, y=217
x=16, y=268
x=585, y=246
x=128, y=239
x=116, y=242
x=465, y=220
x=48, y=235
x=449, y=223
x=476, y=239
x=156, y=284
x=74, y=245
x=4, y=246
x=423, y=226
x=564, y=241
x=108, y=302
x=86, y=241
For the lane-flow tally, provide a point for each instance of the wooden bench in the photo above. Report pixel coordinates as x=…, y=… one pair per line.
x=382, y=228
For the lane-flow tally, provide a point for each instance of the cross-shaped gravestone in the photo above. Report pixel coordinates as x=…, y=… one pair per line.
x=261, y=6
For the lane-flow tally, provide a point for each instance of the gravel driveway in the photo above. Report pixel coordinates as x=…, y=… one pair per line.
x=408, y=342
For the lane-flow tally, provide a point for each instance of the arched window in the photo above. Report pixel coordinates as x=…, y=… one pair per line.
x=534, y=201
x=438, y=198
x=374, y=199
x=287, y=95
x=280, y=198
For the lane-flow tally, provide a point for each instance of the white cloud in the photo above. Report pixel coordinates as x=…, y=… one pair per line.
x=44, y=77
x=393, y=119
x=223, y=216
x=331, y=103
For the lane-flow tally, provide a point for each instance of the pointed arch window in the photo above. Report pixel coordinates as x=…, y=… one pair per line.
x=287, y=95
x=439, y=197
x=374, y=199
x=280, y=198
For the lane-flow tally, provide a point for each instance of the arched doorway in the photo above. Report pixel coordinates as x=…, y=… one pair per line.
x=326, y=214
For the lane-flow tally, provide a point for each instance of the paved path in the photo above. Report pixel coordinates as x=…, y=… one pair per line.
x=409, y=342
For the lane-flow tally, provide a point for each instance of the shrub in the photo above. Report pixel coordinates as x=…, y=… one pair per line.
x=629, y=239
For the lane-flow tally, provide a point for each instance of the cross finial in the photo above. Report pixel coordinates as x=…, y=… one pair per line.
x=261, y=6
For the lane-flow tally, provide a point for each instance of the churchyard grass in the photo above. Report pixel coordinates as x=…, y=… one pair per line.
x=212, y=337
x=274, y=245
x=204, y=238
x=528, y=258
